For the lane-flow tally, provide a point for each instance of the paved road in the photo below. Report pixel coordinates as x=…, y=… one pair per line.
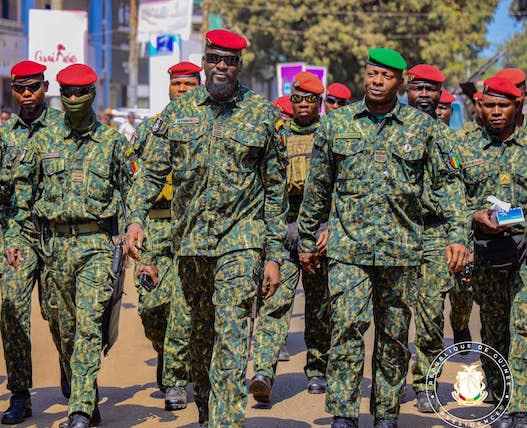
x=129, y=396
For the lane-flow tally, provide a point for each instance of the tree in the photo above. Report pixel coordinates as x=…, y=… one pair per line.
x=516, y=50
x=339, y=33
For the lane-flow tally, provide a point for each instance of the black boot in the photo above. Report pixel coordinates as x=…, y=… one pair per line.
x=76, y=420
x=159, y=373
x=64, y=384
x=19, y=408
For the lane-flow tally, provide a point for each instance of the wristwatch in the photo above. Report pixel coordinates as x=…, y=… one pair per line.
x=278, y=261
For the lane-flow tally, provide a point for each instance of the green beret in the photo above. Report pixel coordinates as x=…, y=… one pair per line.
x=387, y=58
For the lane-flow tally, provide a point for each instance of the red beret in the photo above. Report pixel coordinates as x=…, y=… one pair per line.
x=308, y=82
x=515, y=75
x=225, y=39
x=338, y=90
x=477, y=96
x=501, y=87
x=184, y=68
x=76, y=75
x=446, y=97
x=26, y=69
x=283, y=104
x=425, y=72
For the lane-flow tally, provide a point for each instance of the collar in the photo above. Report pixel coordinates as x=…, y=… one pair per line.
x=18, y=122
x=517, y=138
x=362, y=110
x=95, y=133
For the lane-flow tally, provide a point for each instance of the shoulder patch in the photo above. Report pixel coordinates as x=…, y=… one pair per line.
x=279, y=124
x=454, y=161
x=157, y=124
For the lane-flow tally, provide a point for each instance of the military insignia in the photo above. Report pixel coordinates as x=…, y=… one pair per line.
x=23, y=155
x=129, y=151
x=380, y=156
x=10, y=144
x=454, y=161
x=135, y=163
x=469, y=386
x=157, y=124
x=279, y=125
x=472, y=163
x=218, y=130
x=505, y=179
x=51, y=155
x=408, y=148
x=77, y=176
x=186, y=120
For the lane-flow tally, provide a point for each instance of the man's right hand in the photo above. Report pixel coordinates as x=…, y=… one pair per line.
x=14, y=257
x=483, y=222
x=310, y=262
x=133, y=240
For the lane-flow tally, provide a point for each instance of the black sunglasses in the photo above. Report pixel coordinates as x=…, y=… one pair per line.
x=297, y=99
x=78, y=91
x=31, y=87
x=332, y=100
x=230, y=60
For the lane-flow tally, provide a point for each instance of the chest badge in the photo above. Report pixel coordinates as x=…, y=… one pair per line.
x=380, y=156
x=505, y=179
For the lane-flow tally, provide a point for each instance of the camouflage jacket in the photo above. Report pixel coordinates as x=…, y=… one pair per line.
x=368, y=180
x=491, y=167
x=80, y=177
x=468, y=128
x=229, y=165
x=15, y=138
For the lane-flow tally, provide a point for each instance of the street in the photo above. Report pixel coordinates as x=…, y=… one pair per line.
x=130, y=398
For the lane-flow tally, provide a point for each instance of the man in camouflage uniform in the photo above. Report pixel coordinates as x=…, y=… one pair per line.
x=424, y=93
x=223, y=145
x=81, y=170
x=163, y=310
x=337, y=95
x=517, y=77
x=493, y=162
x=444, y=107
x=367, y=178
x=275, y=314
x=28, y=88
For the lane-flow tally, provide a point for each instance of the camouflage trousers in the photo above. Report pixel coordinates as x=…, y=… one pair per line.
x=220, y=292
x=275, y=316
x=16, y=287
x=461, y=303
x=502, y=296
x=355, y=291
x=164, y=312
x=80, y=276
x=273, y=321
x=432, y=288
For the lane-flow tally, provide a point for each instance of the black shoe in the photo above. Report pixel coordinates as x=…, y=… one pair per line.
x=176, y=398
x=385, y=423
x=260, y=388
x=316, y=385
x=340, y=422
x=462, y=336
x=424, y=405
x=519, y=420
x=19, y=408
x=159, y=373
x=64, y=385
x=76, y=420
x=504, y=422
x=96, y=419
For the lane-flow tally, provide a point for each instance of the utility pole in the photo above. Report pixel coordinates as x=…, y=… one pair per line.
x=133, y=57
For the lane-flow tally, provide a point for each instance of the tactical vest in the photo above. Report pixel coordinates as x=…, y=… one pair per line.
x=299, y=149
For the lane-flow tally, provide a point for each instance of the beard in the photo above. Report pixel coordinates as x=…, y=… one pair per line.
x=428, y=109
x=220, y=91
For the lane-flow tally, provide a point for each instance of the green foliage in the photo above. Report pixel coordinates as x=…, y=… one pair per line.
x=516, y=50
x=339, y=33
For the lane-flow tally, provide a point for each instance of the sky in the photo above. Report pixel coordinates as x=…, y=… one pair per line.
x=501, y=28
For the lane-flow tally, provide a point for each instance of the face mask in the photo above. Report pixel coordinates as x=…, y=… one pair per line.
x=79, y=112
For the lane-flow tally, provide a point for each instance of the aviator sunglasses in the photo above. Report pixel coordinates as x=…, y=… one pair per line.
x=78, y=91
x=31, y=87
x=339, y=101
x=297, y=99
x=230, y=60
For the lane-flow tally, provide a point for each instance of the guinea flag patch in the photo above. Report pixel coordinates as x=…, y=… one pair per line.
x=454, y=161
